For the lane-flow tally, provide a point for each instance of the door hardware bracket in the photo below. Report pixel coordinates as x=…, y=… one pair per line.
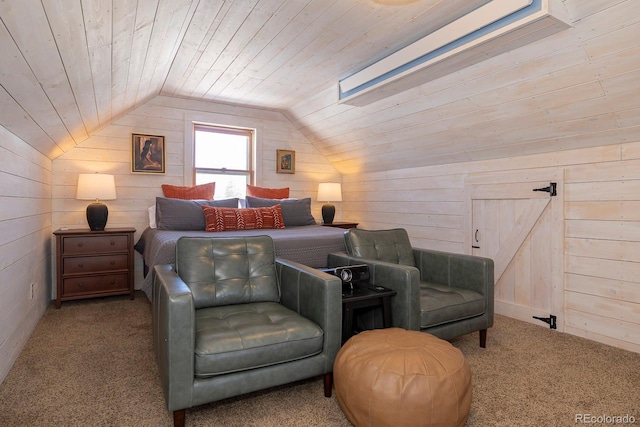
x=551, y=320
x=475, y=237
x=551, y=189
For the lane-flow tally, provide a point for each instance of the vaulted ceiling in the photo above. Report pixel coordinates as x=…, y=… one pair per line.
x=70, y=67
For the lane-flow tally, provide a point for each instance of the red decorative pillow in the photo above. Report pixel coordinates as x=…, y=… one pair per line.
x=197, y=192
x=267, y=193
x=223, y=219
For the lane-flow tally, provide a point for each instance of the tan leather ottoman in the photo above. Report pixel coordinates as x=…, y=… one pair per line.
x=394, y=377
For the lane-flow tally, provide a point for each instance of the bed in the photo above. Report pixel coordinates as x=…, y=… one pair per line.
x=308, y=244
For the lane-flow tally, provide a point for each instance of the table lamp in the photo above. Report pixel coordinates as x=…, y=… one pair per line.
x=96, y=186
x=329, y=192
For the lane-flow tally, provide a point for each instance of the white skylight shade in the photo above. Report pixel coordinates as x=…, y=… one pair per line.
x=492, y=29
x=96, y=186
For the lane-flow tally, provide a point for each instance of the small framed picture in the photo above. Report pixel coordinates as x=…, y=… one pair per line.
x=286, y=161
x=147, y=153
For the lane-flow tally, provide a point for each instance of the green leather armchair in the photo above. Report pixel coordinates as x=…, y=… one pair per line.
x=229, y=318
x=444, y=294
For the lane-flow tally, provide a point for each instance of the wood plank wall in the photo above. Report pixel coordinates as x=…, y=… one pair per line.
x=575, y=89
x=602, y=226
x=109, y=151
x=25, y=242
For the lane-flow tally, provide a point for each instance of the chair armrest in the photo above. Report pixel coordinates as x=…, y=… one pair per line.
x=317, y=296
x=457, y=270
x=404, y=279
x=174, y=336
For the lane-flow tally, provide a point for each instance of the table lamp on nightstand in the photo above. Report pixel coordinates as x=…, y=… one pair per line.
x=329, y=192
x=96, y=186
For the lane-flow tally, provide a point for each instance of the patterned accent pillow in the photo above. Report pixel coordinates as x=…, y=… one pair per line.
x=223, y=219
x=294, y=211
x=177, y=214
x=197, y=192
x=267, y=193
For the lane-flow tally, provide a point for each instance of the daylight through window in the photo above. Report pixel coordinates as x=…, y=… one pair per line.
x=223, y=155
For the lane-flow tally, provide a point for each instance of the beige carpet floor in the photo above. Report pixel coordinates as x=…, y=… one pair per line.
x=91, y=364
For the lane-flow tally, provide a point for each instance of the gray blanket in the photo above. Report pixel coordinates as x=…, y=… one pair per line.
x=309, y=245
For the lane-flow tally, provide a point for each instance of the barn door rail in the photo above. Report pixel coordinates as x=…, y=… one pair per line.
x=551, y=189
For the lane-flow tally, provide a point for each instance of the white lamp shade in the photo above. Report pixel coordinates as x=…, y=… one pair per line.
x=329, y=192
x=96, y=186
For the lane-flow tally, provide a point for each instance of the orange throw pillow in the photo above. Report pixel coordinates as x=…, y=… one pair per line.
x=197, y=192
x=267, y=193
x=223, y=219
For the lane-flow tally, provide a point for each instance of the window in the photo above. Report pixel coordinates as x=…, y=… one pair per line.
x=223, y=155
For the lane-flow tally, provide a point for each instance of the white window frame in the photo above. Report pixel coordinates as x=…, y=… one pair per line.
x=227, y=130
x=191, y=120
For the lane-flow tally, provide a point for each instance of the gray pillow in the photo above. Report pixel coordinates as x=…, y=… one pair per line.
x=186, y=215
x=294, y=211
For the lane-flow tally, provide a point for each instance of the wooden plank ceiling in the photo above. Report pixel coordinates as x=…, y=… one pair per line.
x=70, y=67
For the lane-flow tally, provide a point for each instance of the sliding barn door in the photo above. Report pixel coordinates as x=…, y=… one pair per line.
x=516, y=219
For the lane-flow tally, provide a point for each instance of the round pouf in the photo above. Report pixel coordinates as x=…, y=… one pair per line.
x=394, y=377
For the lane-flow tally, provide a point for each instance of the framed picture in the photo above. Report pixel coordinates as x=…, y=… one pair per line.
x=286, y=161
x=147, y=153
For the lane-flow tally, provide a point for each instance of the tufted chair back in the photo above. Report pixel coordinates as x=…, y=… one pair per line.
x=382, y=245
x=226, y=271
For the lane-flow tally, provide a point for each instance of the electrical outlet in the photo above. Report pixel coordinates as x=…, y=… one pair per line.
x=31, y=290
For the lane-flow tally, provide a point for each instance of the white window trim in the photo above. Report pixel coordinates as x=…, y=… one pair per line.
x=222, y=121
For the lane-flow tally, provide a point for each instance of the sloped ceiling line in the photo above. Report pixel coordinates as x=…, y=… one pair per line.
x=287, y=55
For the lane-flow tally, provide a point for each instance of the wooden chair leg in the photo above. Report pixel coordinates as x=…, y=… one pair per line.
x=328, y=384
x=178, y=418
x=483, y=338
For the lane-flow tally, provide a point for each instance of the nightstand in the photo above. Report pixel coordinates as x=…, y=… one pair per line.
x=92, y=264
x=361, y=295
x=342, y=224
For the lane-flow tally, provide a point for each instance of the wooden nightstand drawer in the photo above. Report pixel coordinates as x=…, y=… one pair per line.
x=92, y=284
x=92, y=264
x=95, y=244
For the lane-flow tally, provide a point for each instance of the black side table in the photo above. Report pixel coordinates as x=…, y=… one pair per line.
x=360, y=296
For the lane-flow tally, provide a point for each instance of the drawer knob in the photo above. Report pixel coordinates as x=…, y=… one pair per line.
x=81, y=285
x=113, y=243
x=113, y=263
x=113, y=282
x=80, y=265
x=80, y=245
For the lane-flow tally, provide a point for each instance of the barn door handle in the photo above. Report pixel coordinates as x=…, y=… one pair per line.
x=551, y=189
x=475, y=236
